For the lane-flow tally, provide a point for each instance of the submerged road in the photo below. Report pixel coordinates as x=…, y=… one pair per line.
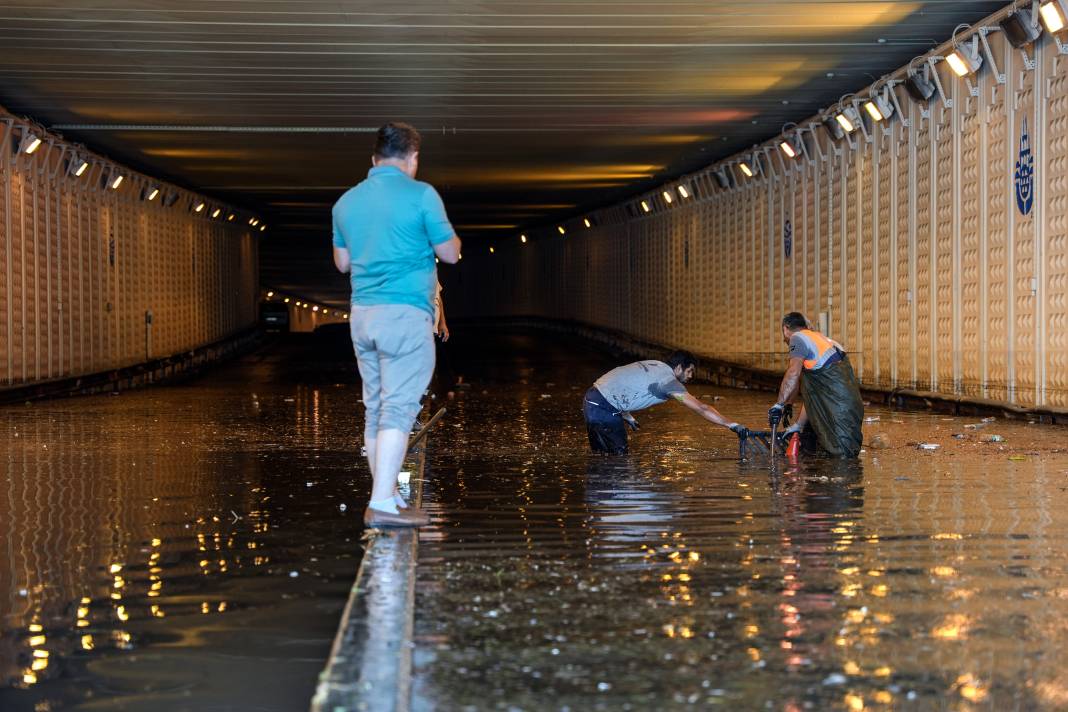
x=186, y=548
x=678, y=577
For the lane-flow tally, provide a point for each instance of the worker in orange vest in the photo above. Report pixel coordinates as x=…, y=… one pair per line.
x=833, y=409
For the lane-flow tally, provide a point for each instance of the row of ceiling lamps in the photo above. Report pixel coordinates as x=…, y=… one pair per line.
x=112, y=178
x=305, y=305
x=1021, y=25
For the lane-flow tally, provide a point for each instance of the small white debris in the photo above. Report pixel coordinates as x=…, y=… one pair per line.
x=293, y=574
x=603, y=686
x=872, y=419
x=835, y=678
x=929, y=446
x=23, y=592
x=309, y=484
x=342, y=507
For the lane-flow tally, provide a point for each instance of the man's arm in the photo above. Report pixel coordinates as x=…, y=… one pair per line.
x=702, y=409
x=791, y=381
x=448, y=251
x=441, y=328
x=342, y=260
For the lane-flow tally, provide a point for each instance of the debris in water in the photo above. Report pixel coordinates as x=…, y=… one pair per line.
x=546, y=395
x=604, y=686
x=835, y=678
x=293, y=574
x=872, y=419
x=929, y=446
x=1018, y=458
x=992, y=438
x=989, y=420
x=879, y=442
x=342, y=506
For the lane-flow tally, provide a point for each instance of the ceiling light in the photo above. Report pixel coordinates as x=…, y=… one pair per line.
x=1021, y=28
x=791, y=146
x=667, y=197
x=746, y=169
x=230, y=217
x=198, y=208
x=216, y=213
x=1054, y=14
x=79, y=166
x=492, y=250
x=645, y=206
x=30, y=142
x=683, y=192
x=879, y=106
x=920, y=87
x=315, y=309
x=964, y=60
x=152, y=193
x=262, y=228
x=306, y=306
x=270, y=294
x=325, y=312
x=254, y=222
x=560, y=229
x=586, y=222
x=848, y=119
x=523, y=239
x=286, y=300
x=834, y=128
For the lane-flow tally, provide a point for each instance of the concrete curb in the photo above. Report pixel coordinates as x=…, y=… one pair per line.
x=370, y=665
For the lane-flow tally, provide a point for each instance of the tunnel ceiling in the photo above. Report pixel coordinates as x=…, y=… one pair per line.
x=531, y=111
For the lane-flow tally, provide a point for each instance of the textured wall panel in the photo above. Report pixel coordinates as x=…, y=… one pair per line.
x=1024, y=268
x=1056, y=242
x=970, y=259
x=80, y=265
x=999, y=203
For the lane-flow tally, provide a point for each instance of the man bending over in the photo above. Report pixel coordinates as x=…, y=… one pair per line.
x=615, y=395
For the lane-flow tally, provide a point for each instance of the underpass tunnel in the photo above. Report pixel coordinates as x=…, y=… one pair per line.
x=627, y=180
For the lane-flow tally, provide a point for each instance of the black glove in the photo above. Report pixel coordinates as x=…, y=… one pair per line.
x=787, y=413
x=775, y=414
x=740, y=430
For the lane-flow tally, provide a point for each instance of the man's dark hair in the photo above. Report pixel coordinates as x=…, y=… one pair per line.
x=681, y=358
x=795, y=321
x=397, y=140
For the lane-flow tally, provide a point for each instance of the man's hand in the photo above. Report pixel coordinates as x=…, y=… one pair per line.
x=629, y=420
x=740, y=430
x=775, y=414
x=443, y=332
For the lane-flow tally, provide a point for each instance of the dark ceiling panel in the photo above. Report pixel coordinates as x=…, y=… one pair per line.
x=531, y=110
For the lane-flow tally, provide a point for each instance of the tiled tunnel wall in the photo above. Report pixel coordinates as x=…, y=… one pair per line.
x=917, y=249
x=82, y=266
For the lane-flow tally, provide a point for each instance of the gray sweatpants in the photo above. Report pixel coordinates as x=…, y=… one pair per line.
x=394, y=346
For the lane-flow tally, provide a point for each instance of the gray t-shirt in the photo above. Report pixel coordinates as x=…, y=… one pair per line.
x=639, y=385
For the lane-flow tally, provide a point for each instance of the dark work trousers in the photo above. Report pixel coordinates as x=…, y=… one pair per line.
x=604, y=424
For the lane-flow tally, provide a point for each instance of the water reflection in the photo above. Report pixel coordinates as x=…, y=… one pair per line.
x=176, y=524
x=678, y=576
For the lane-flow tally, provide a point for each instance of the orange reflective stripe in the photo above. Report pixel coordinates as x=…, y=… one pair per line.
x=822, y=343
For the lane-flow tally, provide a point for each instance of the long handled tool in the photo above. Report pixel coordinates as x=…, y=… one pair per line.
x=426, y=428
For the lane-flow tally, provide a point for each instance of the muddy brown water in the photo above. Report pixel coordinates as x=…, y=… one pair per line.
x=181, y=547
x=678, y=577
x=149, y=541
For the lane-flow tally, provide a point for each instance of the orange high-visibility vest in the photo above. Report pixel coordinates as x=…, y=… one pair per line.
x=823, y=345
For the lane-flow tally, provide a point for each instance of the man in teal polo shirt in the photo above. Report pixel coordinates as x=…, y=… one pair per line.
x=387, y=231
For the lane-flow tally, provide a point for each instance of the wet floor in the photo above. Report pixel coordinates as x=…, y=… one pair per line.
x=183, y=547
x=678, y=577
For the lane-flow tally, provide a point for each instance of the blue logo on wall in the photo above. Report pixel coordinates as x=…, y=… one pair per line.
x=1025, y=173
x=788, y=238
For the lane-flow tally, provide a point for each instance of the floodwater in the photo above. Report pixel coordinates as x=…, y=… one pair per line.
x=182, y=547
x=678, y=577
x=185, y=548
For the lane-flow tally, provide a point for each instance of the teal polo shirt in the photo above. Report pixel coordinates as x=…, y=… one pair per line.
x=389, y=223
